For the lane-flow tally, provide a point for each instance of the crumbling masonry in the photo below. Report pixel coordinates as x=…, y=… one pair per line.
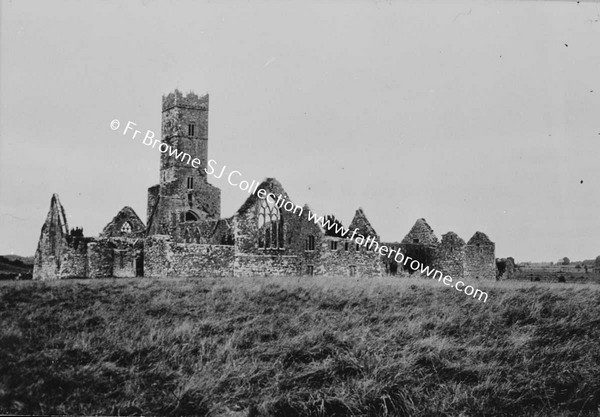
x=185, y=235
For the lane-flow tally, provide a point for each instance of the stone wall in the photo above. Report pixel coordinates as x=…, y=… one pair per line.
x=164, y=258
x=450, y=255
x=74, y=258
x=100, y=259
x=480, y=259
x=200, y=260
x=157, y=256
x=247, y=265
x=390, y=266
x=343, y=259
x=217, y=232
x=203, y=203
x=509, y=268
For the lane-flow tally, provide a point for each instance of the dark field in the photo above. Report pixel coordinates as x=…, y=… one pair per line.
x=298, y=347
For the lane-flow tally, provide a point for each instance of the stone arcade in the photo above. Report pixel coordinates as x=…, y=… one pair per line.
x=185, y=235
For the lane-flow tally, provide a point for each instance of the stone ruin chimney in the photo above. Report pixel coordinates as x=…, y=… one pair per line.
x=52, y=243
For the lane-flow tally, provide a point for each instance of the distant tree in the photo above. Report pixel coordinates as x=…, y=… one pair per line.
x=566, y=261
x=586, y=268
x=335, y=231
x=578, y=266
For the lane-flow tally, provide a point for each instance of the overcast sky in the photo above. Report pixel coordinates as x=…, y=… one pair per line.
x=474, y=115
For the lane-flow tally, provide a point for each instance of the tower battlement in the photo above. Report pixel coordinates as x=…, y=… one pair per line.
x=189, y=101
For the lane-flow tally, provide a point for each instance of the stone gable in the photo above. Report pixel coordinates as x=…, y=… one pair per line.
x=125, y=224
x=420, y=234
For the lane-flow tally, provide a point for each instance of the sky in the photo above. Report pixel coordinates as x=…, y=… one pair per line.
x=477, y=116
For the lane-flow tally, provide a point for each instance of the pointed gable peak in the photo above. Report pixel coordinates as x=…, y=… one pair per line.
x=452, y=239
x=480, y=238
x=56, y=216
x=421, y=234
x=52, y=242
x=363, y=224
x=271, y=186
x=125, y=224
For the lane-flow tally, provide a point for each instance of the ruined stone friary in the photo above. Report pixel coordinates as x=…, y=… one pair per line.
x=185, y=235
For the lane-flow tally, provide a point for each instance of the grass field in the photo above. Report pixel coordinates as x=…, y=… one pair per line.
x=298, y=347
x=552, y=274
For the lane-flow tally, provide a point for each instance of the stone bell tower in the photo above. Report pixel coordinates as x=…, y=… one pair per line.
x=183, y=194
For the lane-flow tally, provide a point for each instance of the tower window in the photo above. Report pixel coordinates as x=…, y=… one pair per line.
x=126, y=228
x=333, y=245
x=346, y=245
x=352, y=271
x=415, y=240
x=310, y=243
x=310, y=270
x=191, y=129
x=190, y=216
x=190, y=183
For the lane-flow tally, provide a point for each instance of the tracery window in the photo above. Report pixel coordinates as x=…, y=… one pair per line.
x=126, y=228
x=270, y=226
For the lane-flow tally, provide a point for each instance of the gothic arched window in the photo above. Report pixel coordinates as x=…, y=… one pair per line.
x=270, y=226
x=190, y=216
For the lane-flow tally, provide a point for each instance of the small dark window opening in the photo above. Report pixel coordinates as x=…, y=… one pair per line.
x=281, y=236
x=275, y=238
x=415, y=240
x=121, y=261
x=191, y=128
x=190, y=183
x=310, y=243
x=333, y=245
x=357, y=247
x=346, y=245
x=190, y=216
x=352, y=270
x=310, y=270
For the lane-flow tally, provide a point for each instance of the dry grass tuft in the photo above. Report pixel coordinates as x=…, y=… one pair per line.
x=298, y=347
